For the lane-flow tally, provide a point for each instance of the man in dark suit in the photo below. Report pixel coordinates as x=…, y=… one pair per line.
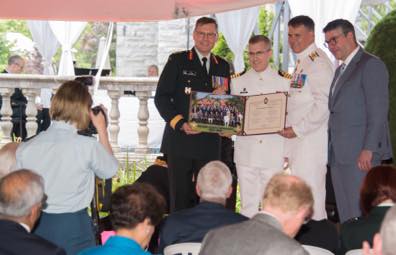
x=16, y=65
x=214, y=186
x=21, y=200
x=287, y=202
x=188, y=150
x=358, y=125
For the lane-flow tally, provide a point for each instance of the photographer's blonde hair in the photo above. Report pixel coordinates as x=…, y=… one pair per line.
x=72, y=103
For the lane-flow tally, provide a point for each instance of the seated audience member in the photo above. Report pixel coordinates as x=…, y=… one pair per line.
x=7, y=158
x=157, y=175
x=384, y=243
x=135, y=210
x=191, y=225
x=286, y=204
x=68, y=162
x=319, y=233
x=21, y=199
x=377, y=195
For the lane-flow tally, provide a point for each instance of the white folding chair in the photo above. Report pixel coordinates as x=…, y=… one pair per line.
x=183, y=249
x=355, y=252
x=313, y=250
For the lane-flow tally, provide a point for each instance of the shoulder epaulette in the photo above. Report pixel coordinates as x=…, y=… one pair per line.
x=236, y=75
x=285, y=74
x=313, y=55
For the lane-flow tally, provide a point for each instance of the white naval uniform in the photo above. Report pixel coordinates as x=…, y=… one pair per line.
x=257, y=157
x=308, y=115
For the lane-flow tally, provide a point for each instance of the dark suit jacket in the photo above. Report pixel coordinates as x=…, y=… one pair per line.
x=261, y=235
x=359, y=108
x=322, y=233
x=355, y=231
x=191, y=225
x=184, y=73
x=15, y=240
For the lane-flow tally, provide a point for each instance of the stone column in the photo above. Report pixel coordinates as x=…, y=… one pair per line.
x=6, y=112
x=143, y=116
x=31, y=111
x=114, y=127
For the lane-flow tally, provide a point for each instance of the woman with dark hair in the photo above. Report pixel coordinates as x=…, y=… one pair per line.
x=135, y=210
x=68, y=162
x=377, y=195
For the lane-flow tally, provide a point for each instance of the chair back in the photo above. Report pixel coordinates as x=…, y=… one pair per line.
x=313, y=250
x=182, y=249
x=355, y=252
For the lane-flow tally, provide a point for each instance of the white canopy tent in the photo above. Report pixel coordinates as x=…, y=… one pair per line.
x=118, y=10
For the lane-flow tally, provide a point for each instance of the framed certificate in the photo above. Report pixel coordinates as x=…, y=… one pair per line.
x=240, y=115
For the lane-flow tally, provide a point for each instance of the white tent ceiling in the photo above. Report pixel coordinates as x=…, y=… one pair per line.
x=118, y=10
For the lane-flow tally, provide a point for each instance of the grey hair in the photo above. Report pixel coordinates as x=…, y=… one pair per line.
x=19, y=192
x=214, y=181
x=388, y=232
x=14, y=59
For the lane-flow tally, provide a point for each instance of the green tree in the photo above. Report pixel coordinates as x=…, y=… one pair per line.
x=381, y=43
x=18, y=26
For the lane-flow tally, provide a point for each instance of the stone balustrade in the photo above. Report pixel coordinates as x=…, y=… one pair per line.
x=115, y=86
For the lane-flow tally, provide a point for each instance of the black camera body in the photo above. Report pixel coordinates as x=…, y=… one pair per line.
x=91, y=130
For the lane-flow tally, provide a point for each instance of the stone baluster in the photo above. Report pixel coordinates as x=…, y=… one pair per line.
x=143, y=116
x=6, y=112
x=114, y=127
x=31, y=111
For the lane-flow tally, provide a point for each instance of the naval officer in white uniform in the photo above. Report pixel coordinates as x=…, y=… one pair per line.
x=257, y=157
x=308, y=114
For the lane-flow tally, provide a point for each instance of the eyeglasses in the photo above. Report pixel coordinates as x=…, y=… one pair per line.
x=332, y=41
x=208, y=35
x=257, y=53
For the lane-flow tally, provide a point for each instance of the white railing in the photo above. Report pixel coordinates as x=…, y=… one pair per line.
x=115, y=86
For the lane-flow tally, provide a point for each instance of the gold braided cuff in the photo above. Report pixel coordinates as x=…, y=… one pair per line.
x=175, y=120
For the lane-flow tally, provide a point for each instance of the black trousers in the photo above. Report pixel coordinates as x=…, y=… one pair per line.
x=182, y=175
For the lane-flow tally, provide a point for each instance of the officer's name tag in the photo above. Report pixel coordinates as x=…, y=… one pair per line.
x=298, y=81
x=189, y=73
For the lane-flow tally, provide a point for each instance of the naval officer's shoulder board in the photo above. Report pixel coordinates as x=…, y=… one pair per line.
x=285, y=74
x=313, y=55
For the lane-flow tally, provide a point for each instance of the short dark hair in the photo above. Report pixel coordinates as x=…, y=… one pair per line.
x=344, y=24
x=260, y=38
x=133, y=203
x=378, y=186
x=14, y=59
x=205, y=20
x=302, y=20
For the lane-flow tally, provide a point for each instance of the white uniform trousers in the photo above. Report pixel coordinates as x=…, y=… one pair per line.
x=252, y=183
x=313, y=172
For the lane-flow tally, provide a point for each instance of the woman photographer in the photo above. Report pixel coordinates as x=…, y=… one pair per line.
x=68, y=162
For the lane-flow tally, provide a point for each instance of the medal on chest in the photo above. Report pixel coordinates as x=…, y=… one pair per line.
x=298, y=80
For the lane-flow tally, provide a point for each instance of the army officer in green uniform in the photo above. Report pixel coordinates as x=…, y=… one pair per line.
x=188, y=150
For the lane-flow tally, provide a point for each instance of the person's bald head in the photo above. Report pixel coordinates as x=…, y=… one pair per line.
x=21, y=192
x=7, y=158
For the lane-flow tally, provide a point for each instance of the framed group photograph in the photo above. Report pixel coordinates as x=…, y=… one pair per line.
x=237, y=115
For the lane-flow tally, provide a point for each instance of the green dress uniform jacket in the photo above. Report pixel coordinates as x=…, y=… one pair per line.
x=182, y=74
x=357, y=230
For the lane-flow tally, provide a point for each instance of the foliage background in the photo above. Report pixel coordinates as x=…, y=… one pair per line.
x=381, y=43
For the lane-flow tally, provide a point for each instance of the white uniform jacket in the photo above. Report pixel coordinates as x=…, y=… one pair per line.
x=307, y=106
x=263, y=151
